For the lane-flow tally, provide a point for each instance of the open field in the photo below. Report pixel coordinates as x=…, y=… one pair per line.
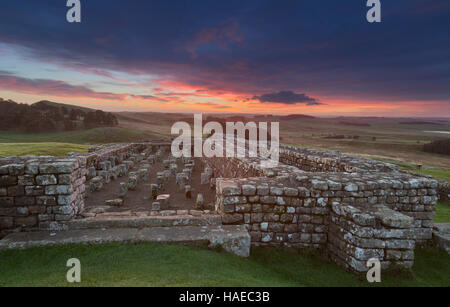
x=388, y=138
x=60, y=143
x=40, y=149
x=381, y=138
x=89, y=136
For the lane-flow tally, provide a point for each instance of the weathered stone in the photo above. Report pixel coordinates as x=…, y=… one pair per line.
x=123, y=189
x=248, y=190
x=46, y=179
x=114, y=202
x=96, y=184
x=164, y=200
x=199, y=201
x=153, y=191
x=132, y=183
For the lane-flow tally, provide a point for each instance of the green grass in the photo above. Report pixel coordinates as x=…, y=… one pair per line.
x=60, y=143
x=438, y=173
x=442, y=213
x=152, y=264
x=89, y=136
x=40, y=149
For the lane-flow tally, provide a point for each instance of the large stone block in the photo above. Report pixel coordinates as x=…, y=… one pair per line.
x=57, y=167
x=46, y=179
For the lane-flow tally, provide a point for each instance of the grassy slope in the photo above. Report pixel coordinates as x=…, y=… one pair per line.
x=40, y=149
x=153, y=264
x=60, y=143
x=89, y=136
x=438, y=173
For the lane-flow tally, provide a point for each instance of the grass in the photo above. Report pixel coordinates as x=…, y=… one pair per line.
x=40, y=149
x=438, y=173
x=442, y=213
x=61, y=143
x=153, y=264
x=89, y=136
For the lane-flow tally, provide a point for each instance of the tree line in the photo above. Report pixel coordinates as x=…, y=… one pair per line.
x=438, y=146
x=42, y=117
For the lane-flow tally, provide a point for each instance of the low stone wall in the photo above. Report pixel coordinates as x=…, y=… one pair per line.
x=305, y=202
x=444, y=191
x=295, y=211
x=315, y=160
x=39, y=192
x=113, y=153
x=358, y=234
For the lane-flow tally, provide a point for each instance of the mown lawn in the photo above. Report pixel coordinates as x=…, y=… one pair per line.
x=153, y=264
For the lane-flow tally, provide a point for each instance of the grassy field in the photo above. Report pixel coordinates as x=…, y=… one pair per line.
x=40, y=149
x=438, y=173
x=89, y=136
x=153, y=264
x=60, y=143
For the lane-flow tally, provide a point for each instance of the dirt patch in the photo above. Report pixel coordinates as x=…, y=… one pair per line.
x=140, y=198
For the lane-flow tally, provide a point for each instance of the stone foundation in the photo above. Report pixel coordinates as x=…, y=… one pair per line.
x=40, y=192
x=352, y=208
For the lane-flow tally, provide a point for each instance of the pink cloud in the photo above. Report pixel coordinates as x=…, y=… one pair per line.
x=62, y=89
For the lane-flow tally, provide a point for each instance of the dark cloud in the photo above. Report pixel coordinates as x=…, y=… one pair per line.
x=326, y=46
x=287, y=97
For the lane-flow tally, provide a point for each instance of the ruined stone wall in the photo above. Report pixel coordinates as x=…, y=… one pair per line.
x=292, y=210
x=315, y=198
x=315, y=160
x=39, y=192
x=45, y=192
x=358, y=234
x=444, y=191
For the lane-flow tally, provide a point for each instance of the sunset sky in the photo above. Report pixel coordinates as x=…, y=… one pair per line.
x=247, y=56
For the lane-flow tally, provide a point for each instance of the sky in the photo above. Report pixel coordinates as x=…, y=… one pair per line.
x=249, y=56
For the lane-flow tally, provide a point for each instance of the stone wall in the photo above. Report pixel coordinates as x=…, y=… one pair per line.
x=444, y=191
x=358, y=234
x=39, y=192
x=351, y=207
x=295, y=211
x=316, y=160
x=296, y=204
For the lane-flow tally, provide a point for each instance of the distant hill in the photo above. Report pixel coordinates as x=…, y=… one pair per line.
x=354, y=124
x=44, y=103
x=47, y=116
x=296, y=116
x=420, y=123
